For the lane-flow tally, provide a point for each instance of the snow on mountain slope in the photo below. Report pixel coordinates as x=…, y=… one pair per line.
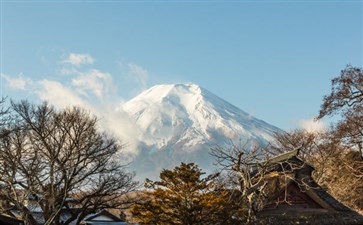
x=181, y=122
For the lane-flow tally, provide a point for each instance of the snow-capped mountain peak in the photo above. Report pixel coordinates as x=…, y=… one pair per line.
x=181, y=122
x=189, y=114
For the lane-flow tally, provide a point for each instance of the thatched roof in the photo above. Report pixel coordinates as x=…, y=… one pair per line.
x=332, y=211
x=283, y=157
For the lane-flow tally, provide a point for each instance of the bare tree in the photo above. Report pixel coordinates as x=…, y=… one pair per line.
x=346, y=101
x=252, y=171
x=54, y=157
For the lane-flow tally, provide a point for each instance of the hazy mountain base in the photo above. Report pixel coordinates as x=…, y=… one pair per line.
x=150, y=160
x=149, y=165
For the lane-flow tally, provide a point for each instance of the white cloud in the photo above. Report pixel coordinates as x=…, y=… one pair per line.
x=116, y=122
x=78, y=59
x=69, y=71
x=18, y=83
x=60, y=96
x=119, y=123
x=312, y=125
x=91, y=89
x=94, y=81
x=139, y=74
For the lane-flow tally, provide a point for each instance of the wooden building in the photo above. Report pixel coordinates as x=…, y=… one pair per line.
x=295, y=198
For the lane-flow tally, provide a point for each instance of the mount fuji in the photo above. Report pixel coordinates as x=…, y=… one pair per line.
x=182, y=122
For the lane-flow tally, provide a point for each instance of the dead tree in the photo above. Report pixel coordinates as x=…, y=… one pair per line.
x=257, y=174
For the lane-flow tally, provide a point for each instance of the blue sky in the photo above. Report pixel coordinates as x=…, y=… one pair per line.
x=273, y=59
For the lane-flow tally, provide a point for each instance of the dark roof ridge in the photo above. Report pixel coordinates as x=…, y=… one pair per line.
x=104, y=213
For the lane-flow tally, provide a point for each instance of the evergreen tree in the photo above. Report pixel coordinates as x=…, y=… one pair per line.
x=183, y=197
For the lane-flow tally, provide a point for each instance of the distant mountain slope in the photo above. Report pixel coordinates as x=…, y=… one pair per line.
x=181, y=122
